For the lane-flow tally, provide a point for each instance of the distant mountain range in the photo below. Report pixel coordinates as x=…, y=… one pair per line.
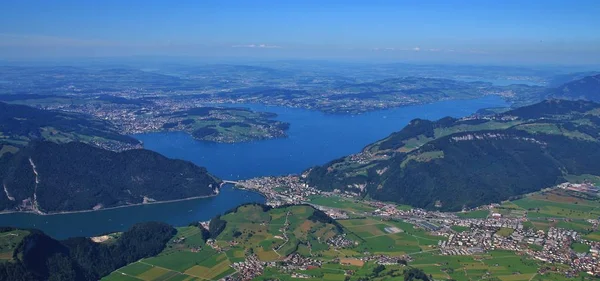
x=452, y=163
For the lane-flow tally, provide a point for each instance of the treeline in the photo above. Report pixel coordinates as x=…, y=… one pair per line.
x=75, y=176
x=39, y=257
x=216, y=226
x=320, y=216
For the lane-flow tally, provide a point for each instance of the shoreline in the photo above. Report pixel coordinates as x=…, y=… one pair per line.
x=109, y=208
x=285, y=135
x=233, y=186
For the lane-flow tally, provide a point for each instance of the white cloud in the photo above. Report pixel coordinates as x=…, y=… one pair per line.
x=415, y=49
x=433, y=50
x=261, y=46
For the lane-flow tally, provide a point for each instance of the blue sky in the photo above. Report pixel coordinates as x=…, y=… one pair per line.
x=480, y=31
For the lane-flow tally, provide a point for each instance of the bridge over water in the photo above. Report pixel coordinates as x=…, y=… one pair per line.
x=230, y=182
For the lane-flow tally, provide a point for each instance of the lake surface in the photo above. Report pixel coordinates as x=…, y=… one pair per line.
x=314, y=138
x=179, y=213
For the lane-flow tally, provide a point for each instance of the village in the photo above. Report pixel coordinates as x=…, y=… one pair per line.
x=478, y=235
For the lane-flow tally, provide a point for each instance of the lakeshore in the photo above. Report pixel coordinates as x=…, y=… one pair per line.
x=96, y=222
x=314, y=139
x=39, y=213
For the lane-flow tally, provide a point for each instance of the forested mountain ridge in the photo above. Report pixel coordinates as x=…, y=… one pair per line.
x=40, y=257
x=47, y=177
x=21, y=124
x=454, y=163
x=587, y=88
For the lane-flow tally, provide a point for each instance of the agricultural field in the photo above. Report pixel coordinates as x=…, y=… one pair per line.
x=375, y=239
x=594, y=236
x=584, y=178
x=504, y=265
x=559, y=204
x=183, y=259
x=505, y=232
x=273, y=234
x=225, y=124
x=341, y=203
x=510, y=210
x=580, y=247
x=459, y=228
x=478, y=214
x=9, y=240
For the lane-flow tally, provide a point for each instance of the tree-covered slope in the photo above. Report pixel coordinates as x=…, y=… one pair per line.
x=40, y=257
x=454, y=163
x=587, y=88
x=49, y=177
x=21, y=124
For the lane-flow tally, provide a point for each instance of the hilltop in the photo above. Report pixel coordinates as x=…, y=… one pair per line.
x=586, y=88
x=106, y=120
x=258, y=242
x=21, y=124
x=32, y=255
x=45, y=177
x=453, y=163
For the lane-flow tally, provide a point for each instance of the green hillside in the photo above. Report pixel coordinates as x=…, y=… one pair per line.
x=21, y=124
x=49, y=177
x=454, y=163
x=587, y=88
x=36, y=256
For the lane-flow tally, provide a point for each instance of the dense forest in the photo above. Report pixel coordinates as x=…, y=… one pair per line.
x=75, y=176
x=40, y=257
x=587, y=88
x=453, y=163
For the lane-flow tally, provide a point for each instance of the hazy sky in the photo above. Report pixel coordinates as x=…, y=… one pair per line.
x=485, y=31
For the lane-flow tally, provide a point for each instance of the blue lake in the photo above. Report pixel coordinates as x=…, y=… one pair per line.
x=178, y=213
x=314, y=138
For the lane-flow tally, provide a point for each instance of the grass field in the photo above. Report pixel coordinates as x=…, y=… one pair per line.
x=377, y=240
x=479, y=214
x=558, y=204
x=341, y=203
x=504, y=265
x=264, y=232
x=503, y=231
x=9, y=241
x=583, y=178
x=459, y=228
x=273, y=234
x=580, y=247
x=178, y=261
x=594, y=236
